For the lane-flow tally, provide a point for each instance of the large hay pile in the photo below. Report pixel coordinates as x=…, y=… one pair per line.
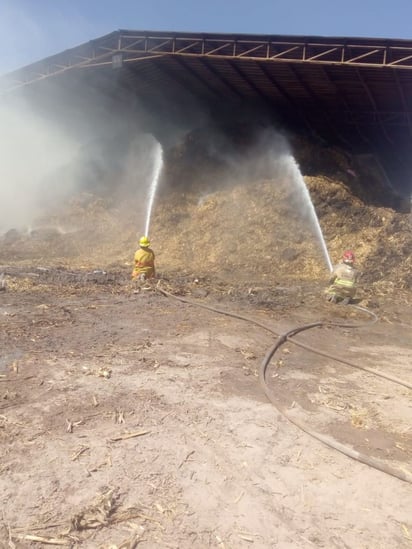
x=380, y=236
x=242, y=228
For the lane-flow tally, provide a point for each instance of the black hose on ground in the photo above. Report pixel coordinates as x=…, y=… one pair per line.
x=288, y=336
x=351, y=364
x=216, y=310
x=298, y=343
x=350, y=452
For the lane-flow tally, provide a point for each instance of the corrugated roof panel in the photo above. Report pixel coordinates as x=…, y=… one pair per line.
x=363, y=84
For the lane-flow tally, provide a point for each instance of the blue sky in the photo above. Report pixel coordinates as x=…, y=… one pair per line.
x=33, y=29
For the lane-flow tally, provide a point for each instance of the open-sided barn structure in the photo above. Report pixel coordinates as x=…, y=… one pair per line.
x=354, y=92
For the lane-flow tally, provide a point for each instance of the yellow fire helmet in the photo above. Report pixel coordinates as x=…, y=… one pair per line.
x=144, y=242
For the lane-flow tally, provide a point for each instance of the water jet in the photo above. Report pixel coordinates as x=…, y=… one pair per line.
x=157, y=154
x=294, y=171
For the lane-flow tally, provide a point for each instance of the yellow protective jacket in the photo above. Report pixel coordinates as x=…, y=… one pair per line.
x=144, y=263
x=344, y=280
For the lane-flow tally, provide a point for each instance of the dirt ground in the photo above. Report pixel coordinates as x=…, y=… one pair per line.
x=135, y=420
x=132, y=419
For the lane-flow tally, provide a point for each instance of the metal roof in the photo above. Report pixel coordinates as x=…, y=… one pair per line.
x=353, y=91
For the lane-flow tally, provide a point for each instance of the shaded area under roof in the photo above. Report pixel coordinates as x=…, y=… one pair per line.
x=355, y=92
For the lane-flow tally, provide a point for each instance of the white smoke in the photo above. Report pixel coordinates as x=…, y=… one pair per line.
x=33, y=157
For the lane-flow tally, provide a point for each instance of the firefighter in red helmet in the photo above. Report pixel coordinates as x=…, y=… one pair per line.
x=343, y=280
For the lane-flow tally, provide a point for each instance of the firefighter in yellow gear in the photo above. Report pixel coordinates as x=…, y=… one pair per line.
x=144, y=258
x=343, y=281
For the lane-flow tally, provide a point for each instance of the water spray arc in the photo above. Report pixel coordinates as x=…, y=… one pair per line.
x=298, y=178
x=157, y=169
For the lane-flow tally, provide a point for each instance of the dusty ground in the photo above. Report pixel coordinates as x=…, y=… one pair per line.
x=133, y=419
x=136, y=420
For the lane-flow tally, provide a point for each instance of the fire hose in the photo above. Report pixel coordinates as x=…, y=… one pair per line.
x=288, y=336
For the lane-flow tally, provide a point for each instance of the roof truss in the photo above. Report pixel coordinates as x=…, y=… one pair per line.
x=129, y=46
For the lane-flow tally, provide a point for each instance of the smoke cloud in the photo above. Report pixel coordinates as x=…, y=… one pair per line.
x=35, y=163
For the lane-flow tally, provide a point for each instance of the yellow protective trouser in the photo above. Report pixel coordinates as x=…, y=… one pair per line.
x=342, y=288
